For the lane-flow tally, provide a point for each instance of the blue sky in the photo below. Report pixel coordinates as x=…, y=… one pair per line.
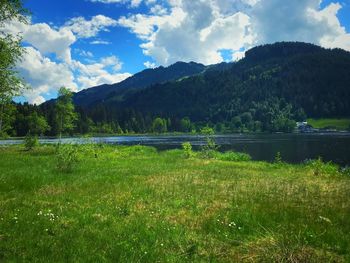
x=84, y=43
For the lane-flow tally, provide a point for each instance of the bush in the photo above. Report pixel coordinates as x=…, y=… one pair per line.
x=346, y=170
x=210, y=148
x=320, y=168
x=278, y=158
x=67, y=157
x=187, y=148
x=30, y=141
x=233, y=156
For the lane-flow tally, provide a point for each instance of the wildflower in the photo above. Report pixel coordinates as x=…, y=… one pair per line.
x=232, y=224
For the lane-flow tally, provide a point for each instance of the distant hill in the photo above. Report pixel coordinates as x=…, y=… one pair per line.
x=138, y=81
x=309, y=77
x=268, y=90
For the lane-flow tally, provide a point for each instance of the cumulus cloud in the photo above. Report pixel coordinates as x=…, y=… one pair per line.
x=89, y=28
x=198, y=30
x=43, y=75
x=46, y=39
x=149, y=64
x=106, y=71
x=46, y=76
x=191, y=31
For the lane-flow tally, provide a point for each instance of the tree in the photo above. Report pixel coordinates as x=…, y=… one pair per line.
x=185, y=124
x=159, y=125
x=65, y=112
x=37, y=124
x=10, y=52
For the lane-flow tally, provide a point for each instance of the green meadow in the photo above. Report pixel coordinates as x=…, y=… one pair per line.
x=339, y=124
x=134, y=204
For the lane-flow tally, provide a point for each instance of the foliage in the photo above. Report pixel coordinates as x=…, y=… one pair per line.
x=7, y=119
x=67, y=157
x=11, y=51
x=37, y=124
x=210, y=148
x=233, y=156
x=65, y=112
x=320, y=168
x=30, y=142
x=278, y=158
x=159, y=125
x=187, y=148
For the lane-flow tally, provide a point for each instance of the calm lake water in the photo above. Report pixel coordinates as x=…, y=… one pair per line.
x=294, y=148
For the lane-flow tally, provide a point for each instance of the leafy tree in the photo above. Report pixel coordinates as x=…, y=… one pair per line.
x=159, y=125
x=246, y=117
x=37, y=124
x=185, y=124
x=8, y=117
x=10, y=52
x=65, y=112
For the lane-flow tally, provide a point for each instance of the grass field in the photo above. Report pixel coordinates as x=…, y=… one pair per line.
x=134, y=204
x=339, y=124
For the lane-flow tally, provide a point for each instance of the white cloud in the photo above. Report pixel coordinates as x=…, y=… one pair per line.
x=43, y=75
x=100, y=42
x=198, y=30
x=192, y=31
x=46, y=76
x=131, y=3
x=299, y=21
x=149, y=64
x=84, y=53
x=46, y=39
x=89, y=28
x=99, y=73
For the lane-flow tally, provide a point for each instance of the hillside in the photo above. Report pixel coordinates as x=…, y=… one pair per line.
x=270, y=89
x=306, y=76
x=140, y=80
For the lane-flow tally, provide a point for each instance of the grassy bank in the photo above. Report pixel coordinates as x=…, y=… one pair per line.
x=134, y=204
x=339, y=124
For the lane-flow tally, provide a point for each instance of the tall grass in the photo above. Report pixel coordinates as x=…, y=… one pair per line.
x=134, y=204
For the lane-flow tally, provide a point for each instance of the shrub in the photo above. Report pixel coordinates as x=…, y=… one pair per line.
x=30, y=141
x=278, y=158
x=233, y=156
x=187, y=148
x=67, y=157
x=320, y=168
x=346, y=170
x=210, y=148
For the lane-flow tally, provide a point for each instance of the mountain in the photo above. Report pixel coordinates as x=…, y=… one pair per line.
x=136, y=82
x=268, y=90
x=308, y=77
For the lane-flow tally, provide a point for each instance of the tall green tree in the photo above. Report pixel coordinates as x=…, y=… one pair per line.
x=10, y=52
x=65, y=111
x=37, y=124
x=159, y=125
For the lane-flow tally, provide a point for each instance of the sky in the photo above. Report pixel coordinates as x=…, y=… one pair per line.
x=84, y=43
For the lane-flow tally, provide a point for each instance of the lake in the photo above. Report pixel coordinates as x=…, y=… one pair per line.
x=294, y=148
